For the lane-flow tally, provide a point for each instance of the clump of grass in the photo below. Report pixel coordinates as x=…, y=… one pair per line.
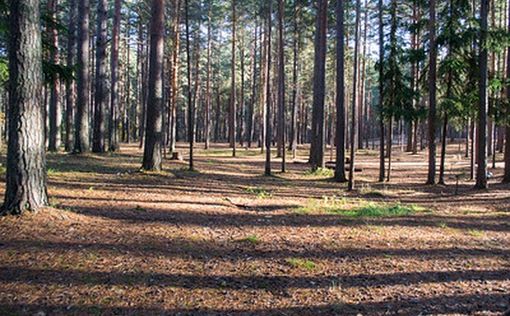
x=301, y=263
x=51, y=171
x=321, y=172
x=476, y=233
x=325, y=205
x=367, y=190
x=261, y=193
x=252, y=239
x=442, y=225
x=381, y=210
x=140, y=208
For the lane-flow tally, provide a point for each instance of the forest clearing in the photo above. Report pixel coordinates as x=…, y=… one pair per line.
x=225, y=240
x=255, y=157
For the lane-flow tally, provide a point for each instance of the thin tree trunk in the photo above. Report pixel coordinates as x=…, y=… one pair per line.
x=190, y=98
x=70, y=84
x=431, y=177
x=382, y=162
x=55, y=113
x=233, y=102
x=340, y=93
x=281, y=82
x=114, y=64
x=268, y=131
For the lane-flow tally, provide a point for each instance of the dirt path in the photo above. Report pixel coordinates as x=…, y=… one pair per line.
x=228, y=241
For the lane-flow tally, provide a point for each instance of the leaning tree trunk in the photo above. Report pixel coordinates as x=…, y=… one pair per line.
x=154, y=126
x=114, y=64
x=481, y=172
x=101, y=96
x=55, y=113
x=81, y=131
x=26, y=159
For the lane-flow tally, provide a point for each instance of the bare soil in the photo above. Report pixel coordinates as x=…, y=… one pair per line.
x=226, y=240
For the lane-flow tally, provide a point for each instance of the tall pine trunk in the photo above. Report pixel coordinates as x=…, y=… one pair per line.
x=319, y=86
x=55, y=113
x=281, y=82
x=154, y=126
x=114, y=100
x=232, y=119
x=267, y=114
x=382, y=163
x=26, y=157
x=81, y=131
x=431, y=177
x=481, y=172
x=70, y=84
x=101, y=96
x=340, y=93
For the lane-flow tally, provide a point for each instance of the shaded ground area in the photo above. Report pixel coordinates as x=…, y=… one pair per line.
x=227, y=241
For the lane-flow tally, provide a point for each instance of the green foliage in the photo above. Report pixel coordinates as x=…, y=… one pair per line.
x=321, y=172
x=251, y=239
x=381, y=210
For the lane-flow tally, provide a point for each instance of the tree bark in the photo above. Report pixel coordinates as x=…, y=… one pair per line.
x=26, y=158
x=281, y=82
x=319, y=87
x=153, y=131
x=101, y=96
x=114, y=64
x=81, y=132
x=267, y=118
x=340, y=93
x=481, y=173
x=233, y=102
x=70, y=84
x=382, y=162
x=55, y=113
x=431, y=177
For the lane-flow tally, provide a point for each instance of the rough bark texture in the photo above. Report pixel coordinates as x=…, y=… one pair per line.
x=55, y=113
x=101, y=96
x=153, y=129
x=506, y=177
x=340, y=93
x=319, y=87
x=81, y=132
x=26, y=160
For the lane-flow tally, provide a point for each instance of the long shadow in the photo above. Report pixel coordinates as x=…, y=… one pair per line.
x=444, y=304
x=496, y=223
x=272, y=283
x=204, y=250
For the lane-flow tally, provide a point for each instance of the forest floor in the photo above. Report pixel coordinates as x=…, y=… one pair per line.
x=225, y=240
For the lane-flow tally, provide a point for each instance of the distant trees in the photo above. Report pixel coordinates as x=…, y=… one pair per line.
x=26, y=157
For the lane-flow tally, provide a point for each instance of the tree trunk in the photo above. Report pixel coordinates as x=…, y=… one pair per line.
x=267, y=125
x=506, y=177
x=382, y=163
x=81, y=132
x=190, y=98
x=281, y=82
x=295, y=88
x=340, y=93
x=233, y=102
x=55, y=113
x=431, y=177
x=354, y=124
x=26, y=158
x=114, y=101
x=101, y=96
x=153, y=131
x=481, y=173
x=319, y=87
x=70, y=85
x=207, y=128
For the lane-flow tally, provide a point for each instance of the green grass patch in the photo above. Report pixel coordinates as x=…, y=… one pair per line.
x=380, y=210
x=476, y=233
x=301, y=263
x=252, y=239
x=320, y=172
x=259, y=192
